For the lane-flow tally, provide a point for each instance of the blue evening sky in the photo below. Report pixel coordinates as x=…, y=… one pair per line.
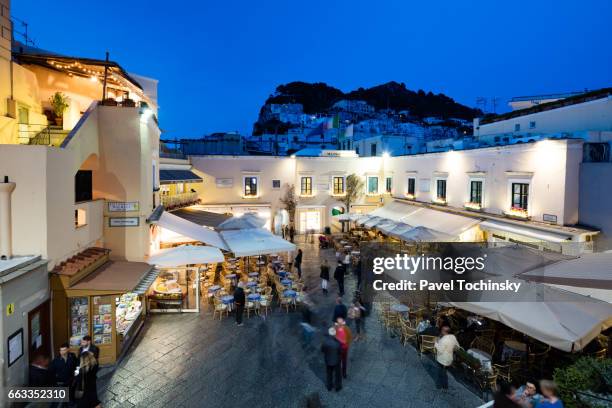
x=217, y=61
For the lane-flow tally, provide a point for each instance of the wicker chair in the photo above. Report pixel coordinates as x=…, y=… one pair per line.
x=427, y=343
x=220, y=308
x=408, y=332
x=485, y=344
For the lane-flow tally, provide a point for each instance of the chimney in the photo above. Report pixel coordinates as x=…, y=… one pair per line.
x=6, y=247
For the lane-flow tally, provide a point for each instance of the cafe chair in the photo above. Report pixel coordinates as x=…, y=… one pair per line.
x=483, y=344
x=220, y=308
x=427, y=344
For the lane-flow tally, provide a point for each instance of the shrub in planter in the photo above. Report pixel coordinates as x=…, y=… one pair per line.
x=586, y=375
x=59, y=103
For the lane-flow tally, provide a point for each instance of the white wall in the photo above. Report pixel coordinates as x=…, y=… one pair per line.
x=593, y=115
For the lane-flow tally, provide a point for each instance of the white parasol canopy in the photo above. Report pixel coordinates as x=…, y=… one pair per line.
x=255, y=241
x=247, y=220
x=186, y=255
x=422, y=234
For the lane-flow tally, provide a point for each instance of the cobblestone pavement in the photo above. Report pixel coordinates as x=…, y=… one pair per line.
x=191, y=360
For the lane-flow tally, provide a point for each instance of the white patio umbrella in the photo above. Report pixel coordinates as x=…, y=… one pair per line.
x=348, y=217
x=399, y=229
x=248, y=220
x=386, y=226
x=186, y=255
x=361, y=220
x=372, y=222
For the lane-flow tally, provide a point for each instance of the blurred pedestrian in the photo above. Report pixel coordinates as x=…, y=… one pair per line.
x=239, y=301
x=291, y=232
x=550, y=397
x=40, y=375
x=339, y=277
x=344, y=336
x=298, y=263
x=331, y=354
x=324, y=275
x=346, y=261
x=340, y=310
x=355, y=313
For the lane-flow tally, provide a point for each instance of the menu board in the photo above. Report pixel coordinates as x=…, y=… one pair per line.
x=79, y=320
x=102, y=320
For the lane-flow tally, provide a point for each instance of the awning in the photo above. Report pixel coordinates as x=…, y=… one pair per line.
x=186, y=255
x=191, y=230
x=441, y=221
x=146, y=282
x=201, y=217
x=118, y=276
x=399, y=229
x=526, y=231
x=255, y=241
x=373, y=221
x=178, y=176
x=422, y=234
x=386, y=226
x=245, y=221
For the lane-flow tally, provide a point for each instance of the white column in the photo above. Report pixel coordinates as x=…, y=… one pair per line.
x=6, y=244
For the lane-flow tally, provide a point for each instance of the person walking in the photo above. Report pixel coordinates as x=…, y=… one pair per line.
x=39, y=373
x=445, y=348
x=331, y=354
x=86, y=387
x=298, y=263
x=346, y=261
x=344, y=336
x=355, y=313
x=357, y=273
x=62, y=368
x=339, y=277
x=239, y=301
x=340, y=310
x=324, y=276
x=291, y=232
x=86, y=346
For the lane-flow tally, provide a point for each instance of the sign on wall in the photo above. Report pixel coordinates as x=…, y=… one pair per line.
x=117, y=206
x=549, y=218
x=15, y=346
x=123, y=221
x=224, y=182
x=10, y=309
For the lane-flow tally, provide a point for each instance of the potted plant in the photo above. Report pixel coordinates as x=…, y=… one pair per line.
x=59, y=103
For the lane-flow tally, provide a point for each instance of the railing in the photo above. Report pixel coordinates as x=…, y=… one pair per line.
x=179, y=200
x=45, y=136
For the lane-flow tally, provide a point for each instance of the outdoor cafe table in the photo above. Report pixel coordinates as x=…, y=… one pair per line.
x=399, y=308
x=251, y=284
x=290, y=293
x=214, y=288
x=231, y=276
x=254, y=297
x=355, y=253
x=253, y=275
x=227, y=299
x=513, y=348
x=286, y=282
x=483, y=357
x=282, y=274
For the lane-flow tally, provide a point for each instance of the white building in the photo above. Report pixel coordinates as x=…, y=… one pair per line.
x=523, y=193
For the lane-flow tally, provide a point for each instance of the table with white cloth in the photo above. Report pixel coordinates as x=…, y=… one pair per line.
x=513, y=348
x=483, y=357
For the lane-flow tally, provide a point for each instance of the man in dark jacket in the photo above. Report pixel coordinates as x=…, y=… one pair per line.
x=291, y=232
x=340, y=310
x=86, y=345
x=339, y=277
x=63, y=366
x=40, y=376
x=331, y=353
x=298, y=263
x=239, y=301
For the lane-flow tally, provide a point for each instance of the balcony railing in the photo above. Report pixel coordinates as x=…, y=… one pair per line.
x=175, y=201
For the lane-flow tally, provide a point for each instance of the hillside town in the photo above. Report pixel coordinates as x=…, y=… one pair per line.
x=238, y=270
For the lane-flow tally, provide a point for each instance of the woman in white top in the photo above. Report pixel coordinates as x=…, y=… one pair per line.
x=445, y=348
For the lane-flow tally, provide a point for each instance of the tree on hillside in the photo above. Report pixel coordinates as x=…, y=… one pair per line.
x=354, y=190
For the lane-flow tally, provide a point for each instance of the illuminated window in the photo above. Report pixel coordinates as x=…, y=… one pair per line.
x=476, y=192
x=338, y=185
x=372, y=185
x=411, y=186
x=520, y=195
x=441, y=189
x=306, y=186
x=80, y=217
x=250, y=186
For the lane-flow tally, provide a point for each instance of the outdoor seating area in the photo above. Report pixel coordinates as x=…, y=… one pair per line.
x=489, y=351
x=266, y=280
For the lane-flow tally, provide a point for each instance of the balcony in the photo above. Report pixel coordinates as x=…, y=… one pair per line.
x=47, y=136
x=172, y=202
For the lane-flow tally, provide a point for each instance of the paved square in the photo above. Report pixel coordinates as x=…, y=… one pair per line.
x=191, y=360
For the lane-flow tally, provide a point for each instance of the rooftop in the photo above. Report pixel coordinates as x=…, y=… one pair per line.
x=572, y=100
x=10, y=265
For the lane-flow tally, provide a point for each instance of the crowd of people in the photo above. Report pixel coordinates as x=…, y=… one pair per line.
x=77, y=373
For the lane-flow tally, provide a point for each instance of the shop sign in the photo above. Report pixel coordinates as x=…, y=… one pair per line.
x=124, y=222
x=117, y=206
x=549, y=218
x=10, y=309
